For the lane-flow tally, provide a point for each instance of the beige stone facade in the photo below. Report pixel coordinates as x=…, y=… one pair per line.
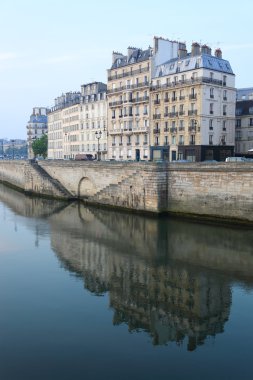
x=128, y=105
x=192, y=107
x=93, y=135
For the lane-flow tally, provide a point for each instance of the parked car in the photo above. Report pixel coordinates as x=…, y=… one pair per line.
x=84, y=157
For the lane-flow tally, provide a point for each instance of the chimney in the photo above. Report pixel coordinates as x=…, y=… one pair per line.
x=130, y=51
x=116, y=55
x=218, y=53
x=182, y=53
x=204, y=49
x=195, y=49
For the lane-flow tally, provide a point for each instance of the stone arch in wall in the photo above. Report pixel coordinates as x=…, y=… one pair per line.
x=86, y=188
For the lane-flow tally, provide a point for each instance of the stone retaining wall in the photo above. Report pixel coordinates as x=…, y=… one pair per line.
x=222, y=190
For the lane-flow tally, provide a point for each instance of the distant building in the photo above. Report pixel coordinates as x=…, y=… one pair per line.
x=63, y=126
x=77, y=124
x=244, y=93
x=36, y=127
x=244, y=127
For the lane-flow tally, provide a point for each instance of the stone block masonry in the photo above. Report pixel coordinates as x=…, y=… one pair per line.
x=222, y=190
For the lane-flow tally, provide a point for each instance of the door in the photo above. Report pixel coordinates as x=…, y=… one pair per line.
x=137, y=154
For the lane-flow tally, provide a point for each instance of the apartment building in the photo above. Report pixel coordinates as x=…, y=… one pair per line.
x=192, y=102
x=64, y=126
x=93, y=136
x=36, y=127
x=128, y=105
x=244, y=127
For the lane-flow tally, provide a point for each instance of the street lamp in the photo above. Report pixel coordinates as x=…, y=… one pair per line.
x=13, y=141
x=98, y=136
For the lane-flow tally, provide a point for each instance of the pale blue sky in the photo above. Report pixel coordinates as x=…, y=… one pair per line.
x=50, y=47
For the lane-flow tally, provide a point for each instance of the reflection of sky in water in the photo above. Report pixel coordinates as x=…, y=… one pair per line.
x=53, y=326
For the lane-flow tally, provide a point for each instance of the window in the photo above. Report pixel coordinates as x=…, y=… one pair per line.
x=166, y=140
x=210, y=139
x=211, y=108
x=145, y=139
x=210, y=124
x=224, y=80
x=192, y=140
x=225, y=95
x=211, y=93
x=224, y=109
x=181, y=139
x=224, y=125
x=238, y=123
x=173, y=140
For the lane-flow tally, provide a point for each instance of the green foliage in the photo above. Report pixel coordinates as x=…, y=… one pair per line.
x=39, y=146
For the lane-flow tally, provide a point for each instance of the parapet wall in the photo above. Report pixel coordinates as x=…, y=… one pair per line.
x=223, y=190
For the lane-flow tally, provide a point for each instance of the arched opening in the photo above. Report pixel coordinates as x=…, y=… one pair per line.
x=86, y=188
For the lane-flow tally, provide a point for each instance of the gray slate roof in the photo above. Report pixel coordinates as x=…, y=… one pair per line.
x=187, y=63
x=137, y=56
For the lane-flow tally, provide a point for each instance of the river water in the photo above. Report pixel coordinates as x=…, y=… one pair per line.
x=87, y=293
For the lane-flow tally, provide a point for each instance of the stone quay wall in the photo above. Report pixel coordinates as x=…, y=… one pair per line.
x=219, y=190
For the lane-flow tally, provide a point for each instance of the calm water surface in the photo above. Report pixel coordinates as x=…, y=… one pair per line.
x=93, y=294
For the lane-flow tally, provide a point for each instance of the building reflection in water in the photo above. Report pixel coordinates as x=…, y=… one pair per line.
x=169, y=278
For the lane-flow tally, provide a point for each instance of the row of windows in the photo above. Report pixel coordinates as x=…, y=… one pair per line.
x=129, y=139
x=85, y=147
x=70, y=110
x=129, y=153
x=129, y=111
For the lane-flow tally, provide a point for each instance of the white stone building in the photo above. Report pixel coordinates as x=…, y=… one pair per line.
x=36, y=127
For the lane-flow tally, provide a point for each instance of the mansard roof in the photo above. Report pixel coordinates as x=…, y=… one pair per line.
x=188, y=63
x=138, y=55
x=38, y=119
x=244, y=107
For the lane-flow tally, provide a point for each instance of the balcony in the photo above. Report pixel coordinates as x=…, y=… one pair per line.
x=157, y=101
x=166, y=114
x=211, y=112
x=128, y=73
x=157, y=116
x=193, y=96
x=181, y=129
x=192, y=142
x=173, y=130
x=211, y=96
x=192, y=128
x=192, y=112
x=166, y=100
x=181, y=113
x=224, y=113
x=137, y=143
x=189, y=81
x=173, y=114
x=141, y=99
x=225, y=98
x=156, y=130
x=181, y=143
x=128, y=144
x=166, y=129
x=181, y=97
x=114, y=104
x=174, y=99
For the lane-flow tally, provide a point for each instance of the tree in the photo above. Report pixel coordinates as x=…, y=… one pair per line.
x=39, y=146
